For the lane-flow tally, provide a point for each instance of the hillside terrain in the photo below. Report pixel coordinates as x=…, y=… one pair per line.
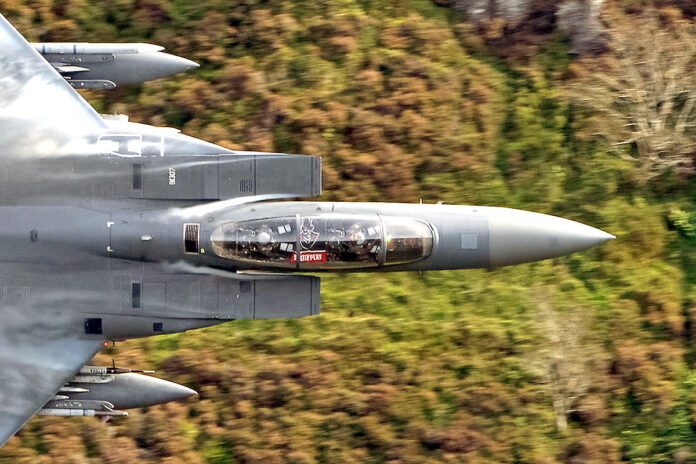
x=587, y=359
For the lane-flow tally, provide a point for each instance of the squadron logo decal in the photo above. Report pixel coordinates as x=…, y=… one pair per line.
x=308, y=236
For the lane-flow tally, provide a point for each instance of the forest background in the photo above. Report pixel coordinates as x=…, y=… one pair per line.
x=580, y=108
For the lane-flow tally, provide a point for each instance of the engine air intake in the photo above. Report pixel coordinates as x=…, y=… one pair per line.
x=191, y=235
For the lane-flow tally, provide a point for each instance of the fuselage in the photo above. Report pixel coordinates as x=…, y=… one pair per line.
x=155, y=232
x=294, y=236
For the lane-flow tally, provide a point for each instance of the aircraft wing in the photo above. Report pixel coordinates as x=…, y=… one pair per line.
x=40, y=113
x=39, y=353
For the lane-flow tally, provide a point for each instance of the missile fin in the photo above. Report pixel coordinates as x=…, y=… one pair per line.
x=67, y=68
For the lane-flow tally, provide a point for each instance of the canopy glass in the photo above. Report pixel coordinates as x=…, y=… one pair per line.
x=324, y=242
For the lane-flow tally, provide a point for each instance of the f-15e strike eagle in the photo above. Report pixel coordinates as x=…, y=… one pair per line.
x=111, y=230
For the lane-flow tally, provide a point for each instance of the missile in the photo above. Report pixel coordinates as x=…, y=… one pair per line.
x=87, y=371
x=103, y=391
x=84, y=48
x=68, y=407
x=130, y=390
x=107, y=65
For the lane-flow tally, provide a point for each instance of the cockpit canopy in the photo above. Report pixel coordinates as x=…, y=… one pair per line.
x=329, y=241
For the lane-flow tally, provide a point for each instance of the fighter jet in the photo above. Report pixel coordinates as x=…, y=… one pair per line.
x=111, y=230
x=107, y=65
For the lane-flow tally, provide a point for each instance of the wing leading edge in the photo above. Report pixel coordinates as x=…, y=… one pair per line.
x=39, y=352
x=40, y=113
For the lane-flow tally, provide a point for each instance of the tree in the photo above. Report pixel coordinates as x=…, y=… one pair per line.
x=642, y=98
x=563, y=359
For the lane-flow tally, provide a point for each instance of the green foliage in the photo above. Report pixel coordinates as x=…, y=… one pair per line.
x=403, y=102
x=684, y=222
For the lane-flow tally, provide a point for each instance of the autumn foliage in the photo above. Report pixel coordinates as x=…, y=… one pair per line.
x=583, y=359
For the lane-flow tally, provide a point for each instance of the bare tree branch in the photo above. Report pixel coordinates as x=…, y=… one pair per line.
x=646, y=96
x=563, y=360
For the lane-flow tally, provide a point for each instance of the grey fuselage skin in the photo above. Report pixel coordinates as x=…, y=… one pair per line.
x=107, y=258
x=69, y=234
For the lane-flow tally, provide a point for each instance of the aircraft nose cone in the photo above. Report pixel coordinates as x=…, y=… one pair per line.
x=188, y=64
x=129, y=391
x=520, y=236
x=162, y=391
x=180, y=393
x=160, y=65
x=172, y=64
